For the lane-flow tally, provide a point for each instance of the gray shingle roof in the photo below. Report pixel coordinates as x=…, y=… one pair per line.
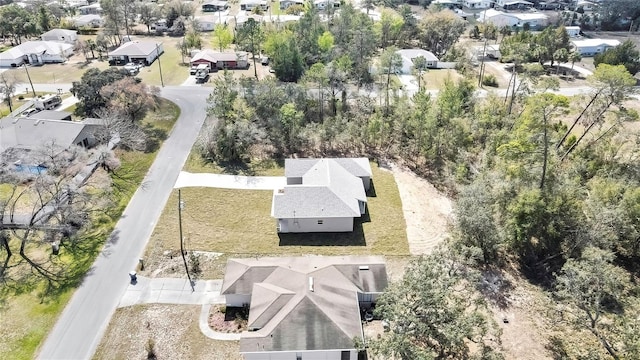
x=289, y=315
x=328, y=190
x=29, y=133
x=359, y=167
x=135, y=48
x=59, y=32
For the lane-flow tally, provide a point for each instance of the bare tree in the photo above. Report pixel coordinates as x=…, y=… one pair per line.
x=8, y=82
x=45, y=209
x=116, y=127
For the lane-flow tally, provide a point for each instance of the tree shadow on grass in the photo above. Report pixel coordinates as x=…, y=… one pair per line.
x=354, y=238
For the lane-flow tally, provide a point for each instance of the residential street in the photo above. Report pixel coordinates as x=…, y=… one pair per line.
x=82, y=323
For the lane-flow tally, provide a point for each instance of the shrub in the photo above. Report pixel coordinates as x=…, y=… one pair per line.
x=490, y=80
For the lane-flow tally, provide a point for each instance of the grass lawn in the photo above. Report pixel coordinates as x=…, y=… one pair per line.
x=173, y=73
x=60, y=73
x=434, y=79
x=28, y=316
x=239, y=222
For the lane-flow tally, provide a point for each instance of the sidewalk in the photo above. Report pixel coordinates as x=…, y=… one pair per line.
x=179, y=291
x=186, y=179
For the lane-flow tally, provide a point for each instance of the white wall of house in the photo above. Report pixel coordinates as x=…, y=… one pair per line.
x=5, y=62
x=237, y=300
x=302, y=355
x=477, y=4
x=69, y=39
x=316, y=225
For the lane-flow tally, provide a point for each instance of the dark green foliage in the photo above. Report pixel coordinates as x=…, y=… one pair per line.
x=433, y=313
x=87, y=90
x=625, y=54
x=490, y=80
x=288, y=63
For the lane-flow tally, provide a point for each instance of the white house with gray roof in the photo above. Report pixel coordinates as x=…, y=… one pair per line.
x=303, y=308
x=29, y=133
x=36, y=53
x=144, y=52
x=322, y=195
x=60, y=35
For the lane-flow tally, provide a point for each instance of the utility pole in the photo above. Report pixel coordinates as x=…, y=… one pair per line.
x=30, y=82
x=184, y=259
x=160, y=67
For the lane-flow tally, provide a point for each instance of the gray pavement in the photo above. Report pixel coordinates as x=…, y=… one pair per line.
x=81, y=325
x=172, y=291
x=224, y=181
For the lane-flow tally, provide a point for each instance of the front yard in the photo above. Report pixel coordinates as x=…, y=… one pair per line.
x=172, y=330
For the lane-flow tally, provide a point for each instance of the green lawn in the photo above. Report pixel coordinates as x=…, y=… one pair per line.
x=28, y=317
x=239, y=222
x=173, y=73
x=59, y=73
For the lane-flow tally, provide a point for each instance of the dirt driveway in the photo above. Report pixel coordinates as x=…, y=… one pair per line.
x=427, y=212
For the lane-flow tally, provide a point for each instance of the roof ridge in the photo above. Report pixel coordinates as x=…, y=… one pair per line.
x=321, y=308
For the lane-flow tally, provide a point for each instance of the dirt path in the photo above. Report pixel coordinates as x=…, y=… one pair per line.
x=427, y=212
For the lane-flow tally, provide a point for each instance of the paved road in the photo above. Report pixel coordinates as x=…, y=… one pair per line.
x=81, y=325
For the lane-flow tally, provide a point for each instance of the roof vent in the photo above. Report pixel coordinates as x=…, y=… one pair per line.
x=363, y=267
x=311, y=283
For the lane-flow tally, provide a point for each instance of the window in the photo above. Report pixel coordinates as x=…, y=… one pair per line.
x=298, y=356
x=320, y=222
x=345, y=355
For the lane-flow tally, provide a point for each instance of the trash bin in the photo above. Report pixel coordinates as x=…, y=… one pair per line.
x=133, y=276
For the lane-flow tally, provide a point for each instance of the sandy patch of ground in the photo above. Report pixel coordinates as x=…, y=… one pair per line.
x=427, y=212
x=173, y=330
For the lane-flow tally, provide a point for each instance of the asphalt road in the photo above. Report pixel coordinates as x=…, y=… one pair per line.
x=81, y=325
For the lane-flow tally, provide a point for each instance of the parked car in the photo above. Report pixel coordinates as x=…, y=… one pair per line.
x=264, y=61
x=132, y=68
x=29, y=112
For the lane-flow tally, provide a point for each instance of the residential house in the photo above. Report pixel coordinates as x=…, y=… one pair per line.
x=36, y=53
x=280, y=19
x=409, y=54
x=215, y=5
x=500, y=19
x=93, y=21
x=513, y=4
x=324, y=4
x=573, y=31
x=221, y=60
x=60, y=35
x=93, y=9
x=145, y=52
x=591, y=47
x=477, y=4
x=285, y=4
x=303, y=308
x=51, y=115
x=322, y=195
x=242, y=16
x=29, y=133
x=249, y=5
x=209, y=22
x=586, y=5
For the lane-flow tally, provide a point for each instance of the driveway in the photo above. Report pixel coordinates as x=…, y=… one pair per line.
x=81, y=325
x=186, y=179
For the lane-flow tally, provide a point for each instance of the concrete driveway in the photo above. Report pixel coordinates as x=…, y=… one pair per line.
x=186, y=179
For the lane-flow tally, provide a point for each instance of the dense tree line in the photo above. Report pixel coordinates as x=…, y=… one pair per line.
x=544, y=186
